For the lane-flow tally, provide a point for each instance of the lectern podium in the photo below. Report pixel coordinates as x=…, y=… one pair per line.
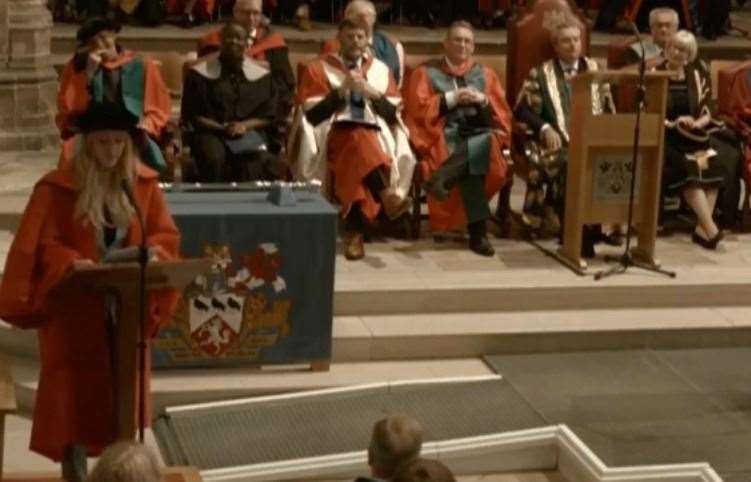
x=599, y=165
x=121, y=280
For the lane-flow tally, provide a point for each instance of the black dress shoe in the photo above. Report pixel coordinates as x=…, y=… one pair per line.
x=187, y=21
x=481, y=246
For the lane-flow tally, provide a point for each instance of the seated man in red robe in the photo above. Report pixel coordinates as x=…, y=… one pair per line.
x=349, y=121
x=459, y=122
x=263, y=45
x=101, y=71
x=380, y=45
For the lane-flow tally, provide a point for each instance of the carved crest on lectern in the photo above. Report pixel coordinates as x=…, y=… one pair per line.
x=233, y=310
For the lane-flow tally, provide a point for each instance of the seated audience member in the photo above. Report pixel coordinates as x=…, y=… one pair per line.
x=229, y=108
x=190, y=12
x=544, y=107
x=264, y=45
x=423, y=470
x=701, y=157
x=395, y=442
x=612, y=9
x=126, y=462
x=379, y=45
x=352, y=123
x=663, y=23
x=459, y=123
x=101, y=71
x=296, y=12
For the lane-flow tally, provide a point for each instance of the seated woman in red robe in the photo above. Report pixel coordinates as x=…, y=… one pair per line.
x=76, y=215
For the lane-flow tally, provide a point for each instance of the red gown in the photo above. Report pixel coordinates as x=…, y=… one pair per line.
x=203, y=8
x=74, y=402
x=426, y=125
x=347, y=143
x=73, y=98
x=734, y=104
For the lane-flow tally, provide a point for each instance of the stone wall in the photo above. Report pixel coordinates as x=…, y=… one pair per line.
x=28, y=82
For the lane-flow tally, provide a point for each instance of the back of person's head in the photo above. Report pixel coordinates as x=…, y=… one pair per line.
x=126, y=462
x=423, y=470
x=396, y=440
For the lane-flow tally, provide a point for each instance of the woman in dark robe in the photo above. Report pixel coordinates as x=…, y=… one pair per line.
x=229, y=106
x=701, y=156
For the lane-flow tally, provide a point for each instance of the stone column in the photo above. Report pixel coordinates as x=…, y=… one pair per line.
x=28, y=82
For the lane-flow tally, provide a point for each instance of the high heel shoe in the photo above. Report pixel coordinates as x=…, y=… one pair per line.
x=710, y=244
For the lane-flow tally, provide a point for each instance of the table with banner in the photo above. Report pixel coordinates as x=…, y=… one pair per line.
x=268, y=297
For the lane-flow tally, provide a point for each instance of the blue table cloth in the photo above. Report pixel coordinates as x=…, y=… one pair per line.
x=268, y=297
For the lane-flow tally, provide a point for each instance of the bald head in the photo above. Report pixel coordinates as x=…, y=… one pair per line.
x=362, y=11
x=249, y=13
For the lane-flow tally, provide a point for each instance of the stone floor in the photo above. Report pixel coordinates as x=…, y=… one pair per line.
x=647, y=406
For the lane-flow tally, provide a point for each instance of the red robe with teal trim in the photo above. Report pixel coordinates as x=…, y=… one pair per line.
x=74, y=402
x=425, y=123
x=73, y=98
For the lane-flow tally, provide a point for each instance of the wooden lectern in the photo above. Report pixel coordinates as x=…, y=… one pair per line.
x=122, y=281
x=599, y=165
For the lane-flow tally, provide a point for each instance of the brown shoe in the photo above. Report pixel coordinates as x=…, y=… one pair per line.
x=354, y=248
x=394, y=205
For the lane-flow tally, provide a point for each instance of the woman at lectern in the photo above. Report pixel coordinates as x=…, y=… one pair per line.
x=700, y=158
x=76, y=215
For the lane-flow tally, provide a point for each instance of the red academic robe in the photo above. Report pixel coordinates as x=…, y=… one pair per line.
x=348, y=143
x=734, y=105
x=203, y=8
x=265, y=40
x=74, y=402
x=73, y=98
x=425, y=124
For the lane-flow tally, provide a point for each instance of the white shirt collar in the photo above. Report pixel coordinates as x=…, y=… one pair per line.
x=450, y=63
x=573, y=66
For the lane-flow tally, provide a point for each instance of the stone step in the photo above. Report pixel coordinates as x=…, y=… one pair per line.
x=417, y=337
x=179, y=387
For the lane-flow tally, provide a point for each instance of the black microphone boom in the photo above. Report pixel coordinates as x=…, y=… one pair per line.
x=143, y=259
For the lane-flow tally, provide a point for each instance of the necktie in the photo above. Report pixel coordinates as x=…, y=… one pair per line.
x=356, y=101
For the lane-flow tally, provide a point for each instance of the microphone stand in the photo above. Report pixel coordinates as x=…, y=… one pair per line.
x=143, y=260
x=626, y=260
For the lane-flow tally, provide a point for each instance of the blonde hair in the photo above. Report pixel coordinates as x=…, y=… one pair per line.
x=687, y=40
x=396, y=440
x=102, y=187
x=126, y=462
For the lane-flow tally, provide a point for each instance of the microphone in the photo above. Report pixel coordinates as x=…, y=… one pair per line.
x=143, y=259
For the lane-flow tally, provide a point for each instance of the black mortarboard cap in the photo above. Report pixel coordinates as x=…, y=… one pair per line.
x=100, y=116
x=93, y=25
